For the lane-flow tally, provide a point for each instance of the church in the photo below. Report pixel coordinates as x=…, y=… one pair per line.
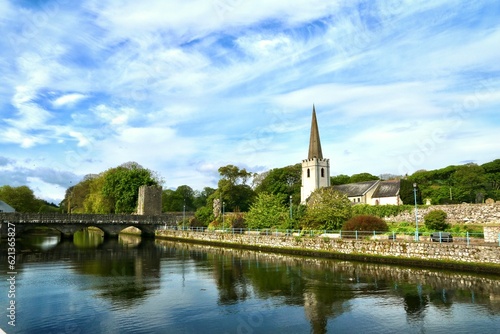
x=316, y=174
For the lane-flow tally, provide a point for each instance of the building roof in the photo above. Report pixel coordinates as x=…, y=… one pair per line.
x=314, y=142
x=387, y=189
x=4, y=207
x=356, y=189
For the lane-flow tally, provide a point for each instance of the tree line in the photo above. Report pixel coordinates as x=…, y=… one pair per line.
x=260, y=200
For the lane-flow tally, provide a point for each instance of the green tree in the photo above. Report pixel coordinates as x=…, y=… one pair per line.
x=121, y=185
x=361, y=177
x=233, y=190
x=340, y=179
x=200, y=197
x=286, y=181
x=492, y=176
x=469, y=180
x=175, y=200
x=22, y=198
x=96, y=201
x=327, y=209
x=407, y=193
x=268, y=211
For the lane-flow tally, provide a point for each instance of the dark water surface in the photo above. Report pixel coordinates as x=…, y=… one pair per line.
x=129, y=285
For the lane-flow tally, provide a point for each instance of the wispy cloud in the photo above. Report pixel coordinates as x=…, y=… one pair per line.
x=185, y=88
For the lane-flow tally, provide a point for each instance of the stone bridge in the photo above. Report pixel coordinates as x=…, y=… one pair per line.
x=68, y=224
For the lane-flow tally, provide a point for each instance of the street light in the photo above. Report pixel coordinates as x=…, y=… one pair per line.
x=416, y=210
x=223, y=211
x=290, y=207
x=183, y=214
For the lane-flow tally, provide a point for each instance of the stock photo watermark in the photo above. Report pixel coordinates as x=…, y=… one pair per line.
x=11, y=273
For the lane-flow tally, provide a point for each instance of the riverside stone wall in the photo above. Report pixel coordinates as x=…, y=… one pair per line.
x=460, y=253
x=457, y=213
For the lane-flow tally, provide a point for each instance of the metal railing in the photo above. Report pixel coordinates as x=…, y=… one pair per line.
x=437, y=237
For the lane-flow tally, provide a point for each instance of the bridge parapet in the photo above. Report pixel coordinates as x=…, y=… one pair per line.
x=88, y=219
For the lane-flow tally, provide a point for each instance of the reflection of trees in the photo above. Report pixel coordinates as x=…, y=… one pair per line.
x=126, y=270
x=415, y=303
x=228, y=274
x=324, y=287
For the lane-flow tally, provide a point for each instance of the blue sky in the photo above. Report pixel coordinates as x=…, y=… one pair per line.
x=184, y=87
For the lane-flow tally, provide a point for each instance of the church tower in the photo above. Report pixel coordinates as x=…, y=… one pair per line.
x=315, y=169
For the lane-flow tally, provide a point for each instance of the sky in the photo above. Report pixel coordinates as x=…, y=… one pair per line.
x=185, y=87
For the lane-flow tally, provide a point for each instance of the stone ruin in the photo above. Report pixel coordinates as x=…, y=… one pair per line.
x=149, y=200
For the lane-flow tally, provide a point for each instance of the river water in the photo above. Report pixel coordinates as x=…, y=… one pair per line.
x=129, y=285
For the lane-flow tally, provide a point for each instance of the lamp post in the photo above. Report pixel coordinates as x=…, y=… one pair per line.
x=223, y=211
x=416, y=210
x=183, y=214
x=291, y=207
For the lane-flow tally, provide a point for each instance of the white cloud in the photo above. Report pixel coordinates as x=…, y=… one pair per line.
x=68, y=99
x=184, y=88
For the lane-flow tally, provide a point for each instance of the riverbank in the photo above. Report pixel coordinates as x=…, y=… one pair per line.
x=477, y=258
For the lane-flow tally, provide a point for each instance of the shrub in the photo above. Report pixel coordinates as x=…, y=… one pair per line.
x=327, y=209
x=235, y=220
x=365, y=223
x=436, y=220
x=268, y=211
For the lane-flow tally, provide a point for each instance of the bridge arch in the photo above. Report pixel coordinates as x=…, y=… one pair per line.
x=68, y=224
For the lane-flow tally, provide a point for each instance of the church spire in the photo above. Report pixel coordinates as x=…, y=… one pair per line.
x=314, y=142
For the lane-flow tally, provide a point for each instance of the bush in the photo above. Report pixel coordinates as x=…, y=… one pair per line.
x=235, y=220
x=436, y=221
x=268, y=211
x=365, y=223
x=327, y=209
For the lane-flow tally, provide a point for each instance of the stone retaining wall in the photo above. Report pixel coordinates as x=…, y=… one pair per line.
x=492, y=233
x=458, y=253
x=457, y=213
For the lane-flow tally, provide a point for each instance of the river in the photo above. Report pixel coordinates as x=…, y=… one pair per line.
x=134, y=285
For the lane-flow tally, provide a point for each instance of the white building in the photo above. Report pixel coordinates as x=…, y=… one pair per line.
x=316, y=174
x=315, y=169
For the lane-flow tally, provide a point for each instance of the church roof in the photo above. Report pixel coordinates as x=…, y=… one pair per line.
x=356, y=189
x=314, y=142
x=387, y=189
x=4, y=207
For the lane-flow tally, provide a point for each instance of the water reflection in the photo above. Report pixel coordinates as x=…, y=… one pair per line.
x=303, y=293
x=88, y=238
x=41, y=240
x=327, y=289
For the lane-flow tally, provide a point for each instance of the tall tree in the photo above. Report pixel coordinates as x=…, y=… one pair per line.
x=177, y=200
x=361, y=177
x=285, y=181
x=233, y=190
x=121, y=185
x=20, y=198
x=470, y=179
x=340, y=179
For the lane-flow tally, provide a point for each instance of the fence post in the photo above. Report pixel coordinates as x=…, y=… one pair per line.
x=356, y=234
x=468, y=241
x=393, y=236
